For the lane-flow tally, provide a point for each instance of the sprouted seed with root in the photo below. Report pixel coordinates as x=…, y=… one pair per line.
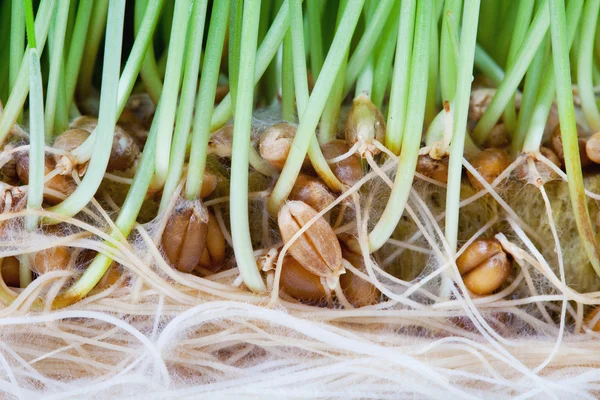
x=246, y=198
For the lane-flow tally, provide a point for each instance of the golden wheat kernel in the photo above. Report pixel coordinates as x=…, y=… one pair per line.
x=184, y=237
x=276, y=142
x=590, y=318
x=592, y=148
x=70, y=139
x=301, y=284
x=498, y=137
x=209, y=184
x=60, y=183
x=311, y=191
x=434, y=169
x=348, y=170
x=52, y=259
x=317, y=249
x=10, y=271
x=359, y=292
x=490, y=163
x=484, y=266
x=214, y=252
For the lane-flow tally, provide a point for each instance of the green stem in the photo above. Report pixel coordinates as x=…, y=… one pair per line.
x=585, y=62
x=414, y=125
x=267, y=50
x=431, y=108
x=17, y=41
x=568, y=128
x=19, y=93
x=383, y=63
x=520, y=29
x=287, y=81
x=545, y=97
x=107, y=115
x=315, y=154
x=364, y=48
x=61, y=118
x=315, y=37
x=448, y=62
x=487, y=65
x=56, y=64
x=267, y=88
x=35, y=193
x=240, y=229
x=206, y=99
x=328, y=126
x=76, y=48
x=235, y=40
x=130, y=73
x=461, y=101
x=529, y=97
x=168, y=96
x=400, y=80
x=312, y=113
x=29, y=24
x=514, y=75
x=186, y=103
x=90, y=53
x=149, y=71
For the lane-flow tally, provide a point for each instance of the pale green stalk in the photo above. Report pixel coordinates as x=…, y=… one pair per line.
x=513, y=77
x=107, y=115
x=170, y=91
x=520, y=29
x=486, y=64
x=461, y=110
x=186, y=103
x=586, y=60
x=17, y=41
x=431, y=108
x=264, y=55
x=76, y=48
x=287, y=81
x=240, y=229
x=206, y=99
x=547, y=90
x=568, y=128
x=56, y=64
x=414, y=125
x=312, y=113
x=149, y=71
x=448, y=62
x=19, y=93
x=400, y=80
x=315, y=47
x=385, y=58
x=90, y=53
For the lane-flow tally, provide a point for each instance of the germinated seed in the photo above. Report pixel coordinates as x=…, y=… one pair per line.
x=434, y=169
x=348, y=170
x=52, y=259
x=214, y=253
x=10, y=271
x=317, y=249
x=364, y=124
x=484, y=266
x=184, y=237
x=359, y=292
x=301, y=284
x=311, y=191
x=490, y=163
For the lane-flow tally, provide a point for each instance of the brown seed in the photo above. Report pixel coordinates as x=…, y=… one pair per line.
x=222, y=91
x=364, y=123
x=348, y=170
x=61, y=183
x=184, y=237
x=546, y=173
x=312, y=192
x=221, y=141
x=70, y=139
x=484, y=266
x=350, y=242
x=300, y=283
x=317, y=249
x=498, y=137
x=132, y=124
x=110, y=277
x=52, y=259
x=592, y=148
x=209, y=184
x=434, y=169
x=10, y=271
x=557, y=145
x=214, y=253
x=490, y=163
x=358, y=292
x=124, y=149
x=276, y=142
